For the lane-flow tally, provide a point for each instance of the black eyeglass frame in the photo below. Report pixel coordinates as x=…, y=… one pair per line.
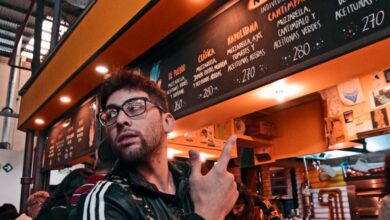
x=120, y=108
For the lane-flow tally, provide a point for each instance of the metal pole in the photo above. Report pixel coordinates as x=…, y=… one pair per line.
x=306, y=171
x=27, y=162
x=36, y=62
x=46, y=180
x=11, y=92
x=38, y=177
x=20, y=34
x=56, y=24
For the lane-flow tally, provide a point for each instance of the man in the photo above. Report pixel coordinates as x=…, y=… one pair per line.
x=34, y=204
x=143, y=183
x=104, y=161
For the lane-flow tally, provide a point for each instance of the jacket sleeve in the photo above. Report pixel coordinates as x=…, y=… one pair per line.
x=106, y=201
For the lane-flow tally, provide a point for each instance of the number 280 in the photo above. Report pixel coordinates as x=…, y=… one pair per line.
x=301, y=51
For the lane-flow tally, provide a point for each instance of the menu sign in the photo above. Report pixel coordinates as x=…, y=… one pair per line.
x=71, y=137
x=255, y=42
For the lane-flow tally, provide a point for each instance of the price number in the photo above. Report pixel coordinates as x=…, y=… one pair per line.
x=208, y=91
x=373, y=20
x=179, y=104
x=248, y=74
x=301, y=51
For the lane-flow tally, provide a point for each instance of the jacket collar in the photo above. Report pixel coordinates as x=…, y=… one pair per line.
x=180, y=172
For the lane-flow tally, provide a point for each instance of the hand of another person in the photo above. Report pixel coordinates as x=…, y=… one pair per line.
x=23, y=217
x=215, y=193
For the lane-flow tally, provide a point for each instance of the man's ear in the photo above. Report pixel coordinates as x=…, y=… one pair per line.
x=169, y=122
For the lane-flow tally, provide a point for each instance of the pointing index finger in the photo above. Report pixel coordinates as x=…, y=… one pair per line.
x=224, y=158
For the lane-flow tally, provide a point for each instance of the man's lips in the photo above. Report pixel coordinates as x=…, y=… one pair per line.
x=126, y=138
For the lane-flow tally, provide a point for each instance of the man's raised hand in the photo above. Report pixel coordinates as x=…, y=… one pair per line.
x=215, y=193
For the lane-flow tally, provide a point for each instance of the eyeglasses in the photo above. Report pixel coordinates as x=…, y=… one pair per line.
x=132, y=107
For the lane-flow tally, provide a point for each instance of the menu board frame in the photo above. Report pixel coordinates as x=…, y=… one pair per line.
x=73, y=130
x=172, y=45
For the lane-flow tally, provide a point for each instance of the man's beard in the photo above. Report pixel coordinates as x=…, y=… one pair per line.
x=144, y=151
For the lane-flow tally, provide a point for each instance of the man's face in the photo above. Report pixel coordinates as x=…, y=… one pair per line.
x=136, y=138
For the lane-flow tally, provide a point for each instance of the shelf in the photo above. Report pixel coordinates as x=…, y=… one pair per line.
x=249, y=141
x=373, y=132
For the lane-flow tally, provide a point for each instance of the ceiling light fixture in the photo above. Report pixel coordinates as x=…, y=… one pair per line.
x=39, y=121
x=65, y=99
x=279, y=90
x=66, y=123
x=280, y=95
x=101, y=69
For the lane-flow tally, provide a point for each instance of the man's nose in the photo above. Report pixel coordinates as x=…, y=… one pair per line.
x=123, y=119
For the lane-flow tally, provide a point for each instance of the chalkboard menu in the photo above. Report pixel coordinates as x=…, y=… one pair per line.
x=71, y=137
x=255, y=42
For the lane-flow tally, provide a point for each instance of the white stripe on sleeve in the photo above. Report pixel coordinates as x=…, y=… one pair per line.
x=101, y=201
x=92, y=206
x=88, y=200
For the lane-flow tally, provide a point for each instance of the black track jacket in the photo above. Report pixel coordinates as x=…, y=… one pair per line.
x=126, y=195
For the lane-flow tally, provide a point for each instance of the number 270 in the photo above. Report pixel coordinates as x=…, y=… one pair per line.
x=373, y=20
